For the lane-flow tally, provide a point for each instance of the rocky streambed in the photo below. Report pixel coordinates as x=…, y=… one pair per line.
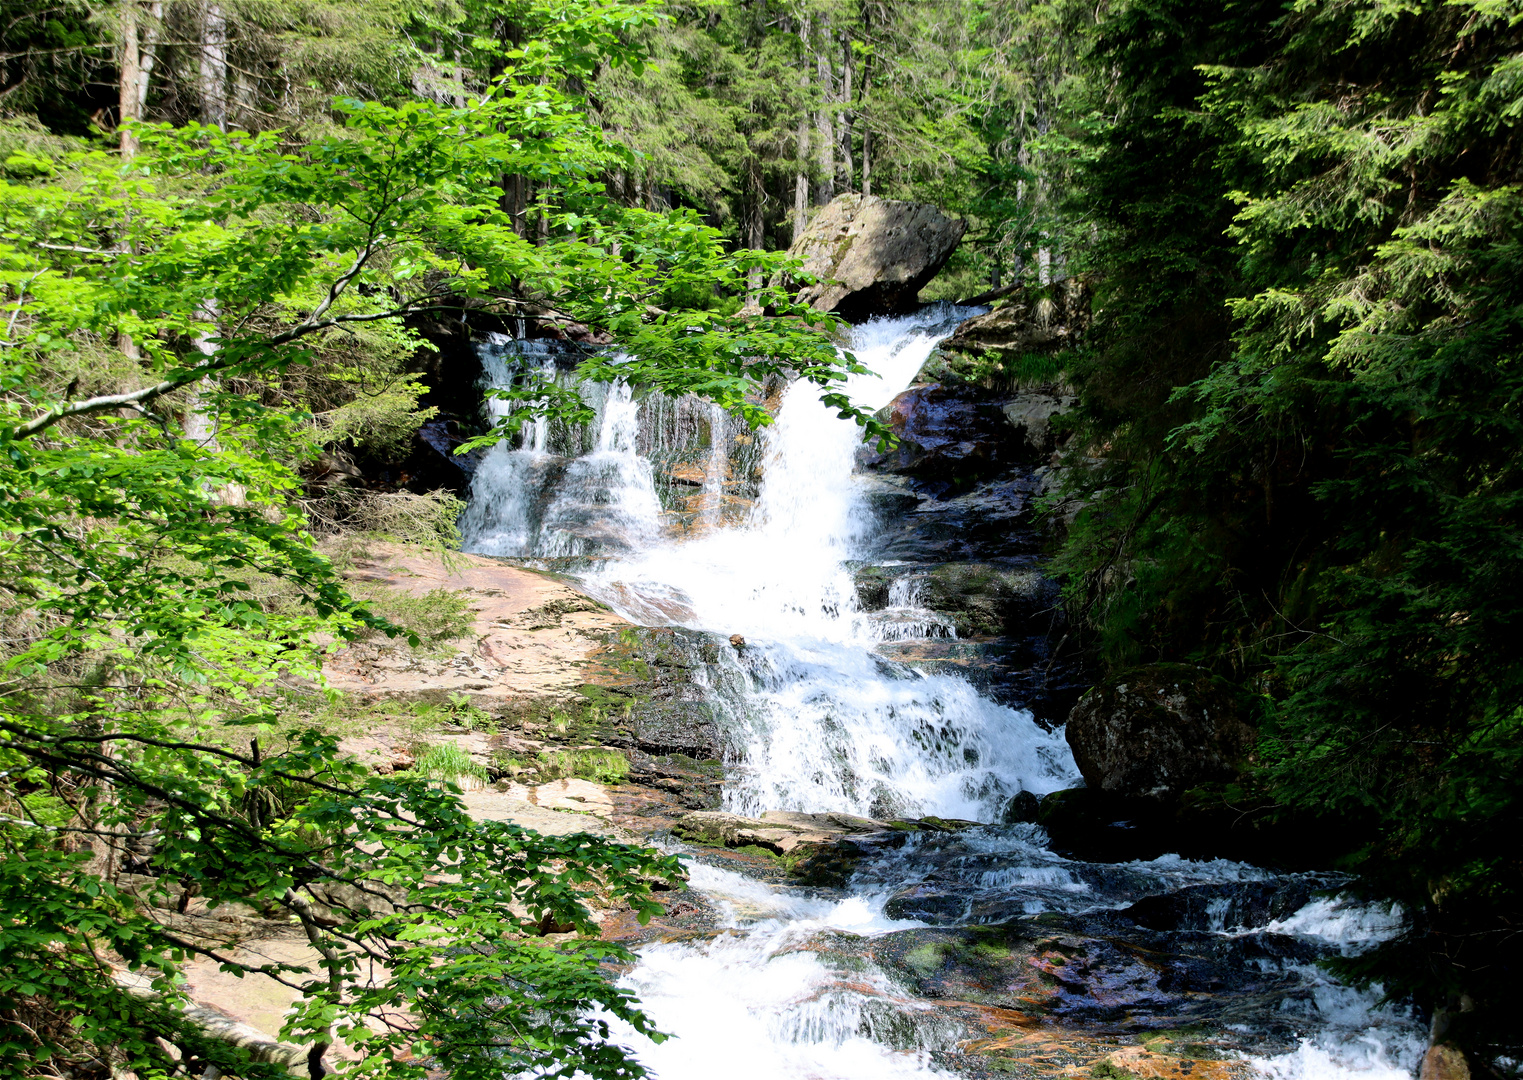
x=836, y=681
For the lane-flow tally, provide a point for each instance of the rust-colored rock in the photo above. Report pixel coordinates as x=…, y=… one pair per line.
x=1444, y=1062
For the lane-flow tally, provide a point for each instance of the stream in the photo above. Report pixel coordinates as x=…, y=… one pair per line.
x=675, y=516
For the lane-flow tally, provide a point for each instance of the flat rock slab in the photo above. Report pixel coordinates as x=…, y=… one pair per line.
x=558, y=808
x=530, y=635
x=779, y=831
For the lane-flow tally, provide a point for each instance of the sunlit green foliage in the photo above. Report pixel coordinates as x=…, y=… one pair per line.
x=179, y=332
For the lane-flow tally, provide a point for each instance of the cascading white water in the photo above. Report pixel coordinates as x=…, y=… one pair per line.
x=828, y=725
x=832, y=725
x=528, y=500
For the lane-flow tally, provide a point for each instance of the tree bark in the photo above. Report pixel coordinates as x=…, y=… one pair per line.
x=213, y=74
x=862, y=109
x=801, y=179
x=825, y=118
x=755, y=223
x=128, y=106
x=847, y=171
x=140, y=38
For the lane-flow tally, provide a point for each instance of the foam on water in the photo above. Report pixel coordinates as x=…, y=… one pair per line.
x=830, y=725
x=1356, y=1038
x=1344, y=922
x=761, y=1004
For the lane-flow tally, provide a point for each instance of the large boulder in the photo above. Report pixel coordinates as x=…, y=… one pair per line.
x=1029, y=321
x=943, y=434
x=1159, y=731
x=872, y=256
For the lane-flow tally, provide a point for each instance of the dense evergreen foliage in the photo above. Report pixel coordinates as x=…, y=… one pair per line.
x=1305, y=378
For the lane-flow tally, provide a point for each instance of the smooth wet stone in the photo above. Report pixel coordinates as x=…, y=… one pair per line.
x=1224, y=906
x=1089, y=973
x=657, y=685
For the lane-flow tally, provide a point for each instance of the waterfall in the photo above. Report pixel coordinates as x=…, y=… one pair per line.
x=832, y=726
x=636, y=506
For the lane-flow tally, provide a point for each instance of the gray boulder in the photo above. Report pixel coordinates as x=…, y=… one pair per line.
x=1159, y=731
x=1044, y=320
x=872, y=256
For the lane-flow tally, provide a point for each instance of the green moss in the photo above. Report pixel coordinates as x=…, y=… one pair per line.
x=600, y=764
x=926, y=958
x=435, y=617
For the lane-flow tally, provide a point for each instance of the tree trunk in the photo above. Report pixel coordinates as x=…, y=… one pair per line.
x=825, y=120
x=756, y=199
x=755, y=223
x=213, y=74
x=844, y=124
x=862, y=109
x=801, y=179
x=867, y=159
x=140, y=39
x=513, y=201
x=128, y=105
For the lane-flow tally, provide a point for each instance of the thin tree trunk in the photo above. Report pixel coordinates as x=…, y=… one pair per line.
x=862, y=111
x=139, y=48
x=867, y=159
x=847, y=171
x=755, y=219
x=801, y=179
x=513, y=197
x=129, y=106
x=825, y=119
x=213, y=75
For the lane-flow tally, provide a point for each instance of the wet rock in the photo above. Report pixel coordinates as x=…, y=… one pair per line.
x=1444, y=1062
x=927, y=903
x=678, y=727
x=985, y=598
x=1029, y=321
x=1156, y=732
x=872, y=256
x=1084, y=972
x=1225, y=906
x=1021, y=809
x=982, y=598
x=696, y=784
x=953, y=522
x=1087, y=823
x=943, y=433
x=660, y=682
